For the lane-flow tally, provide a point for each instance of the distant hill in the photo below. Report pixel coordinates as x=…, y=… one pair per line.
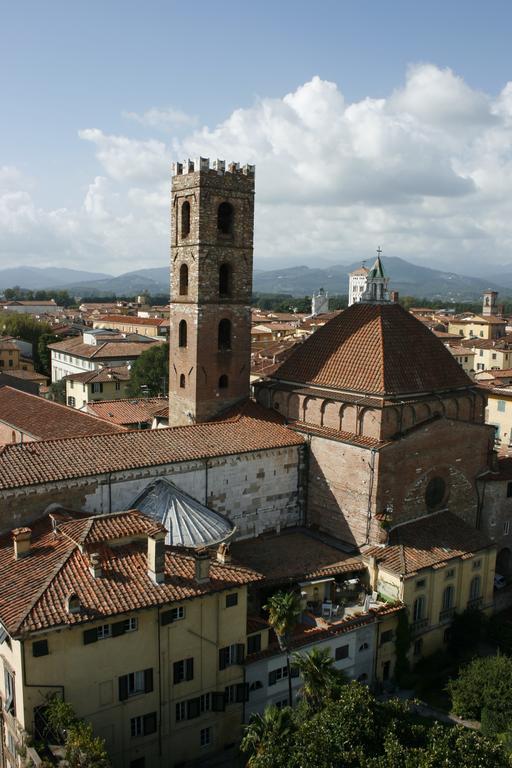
x=153, y=280
x=409, y=279
x=40, y=278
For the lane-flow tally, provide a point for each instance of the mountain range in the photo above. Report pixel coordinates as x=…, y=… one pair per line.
x=407, y=278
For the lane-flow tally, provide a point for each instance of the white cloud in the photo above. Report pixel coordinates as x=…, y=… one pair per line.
x=425, y=171
x=162, y=119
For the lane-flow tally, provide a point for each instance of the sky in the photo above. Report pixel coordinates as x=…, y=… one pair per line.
x=370, y=123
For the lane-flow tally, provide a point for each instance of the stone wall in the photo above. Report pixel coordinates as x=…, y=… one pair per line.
x=258, y=491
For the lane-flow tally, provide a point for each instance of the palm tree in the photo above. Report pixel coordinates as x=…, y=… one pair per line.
x=283, y=614
x=320, y=677
x=272, y=726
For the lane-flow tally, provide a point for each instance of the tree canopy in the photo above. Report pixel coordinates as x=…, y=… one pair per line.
x=150, y=372
x=357, y=731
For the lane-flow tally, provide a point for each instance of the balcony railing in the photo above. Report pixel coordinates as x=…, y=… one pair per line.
x=446, y=615
x=419, y=625
x=476, y=603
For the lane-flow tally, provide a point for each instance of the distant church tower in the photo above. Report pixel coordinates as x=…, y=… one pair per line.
x=376, y=291
x=212, y=223
x=489, y=307
x=356, y=285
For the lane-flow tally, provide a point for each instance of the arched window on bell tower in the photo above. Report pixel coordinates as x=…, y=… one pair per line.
x=182, y=333
x=224, y=335
x=185, y=219
x=184, y=280
x=182, y=381
x=223, y=381
x=225, y=218
x=225, y=280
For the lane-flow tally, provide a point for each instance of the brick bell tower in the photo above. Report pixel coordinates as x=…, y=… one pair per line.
x=212, y=224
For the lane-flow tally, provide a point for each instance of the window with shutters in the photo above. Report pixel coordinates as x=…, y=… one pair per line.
x=254, y=643
x=183, y=670
x=275, y=675
x=236, y=694
x=232, y=600
x=175, y=614
x=192, y=708
x=104, y=631
x=131, y=624
x=40, y=648
x=135, y=683
x=10, y=694
x=386, y=636
x=205, y=737
x=143, y=725
x=231, y=655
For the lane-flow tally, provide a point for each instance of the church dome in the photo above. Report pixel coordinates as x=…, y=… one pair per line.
x=376, y=348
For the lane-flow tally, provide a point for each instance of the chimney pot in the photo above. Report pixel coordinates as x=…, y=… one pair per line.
x=95, y=565
x=156, y=556
x=223, y=553
x=21, y=539
x=202, y=566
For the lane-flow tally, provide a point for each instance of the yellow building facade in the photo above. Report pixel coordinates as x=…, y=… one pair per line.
x=163, y=684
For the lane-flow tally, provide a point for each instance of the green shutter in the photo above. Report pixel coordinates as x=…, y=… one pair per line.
x=242, y=692
x=189, y=674
x=272, y=677
x=148, y=680
x=123, y=688
x=223, y=652
x=218, y=701
x=149, y=723
x=119, y=628
x=166, y=618
x=193, y=708
x=240, y=653
x=90, y=636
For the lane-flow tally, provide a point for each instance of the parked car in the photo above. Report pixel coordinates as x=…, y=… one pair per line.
x=499, y=581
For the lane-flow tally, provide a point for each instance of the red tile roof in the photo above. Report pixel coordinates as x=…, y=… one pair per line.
x=252, y=429
x=107, y=373
x=374, y=348
x=122, y=350
x=428, y=542
x=295, y=553
x=36, y=588
x=45, y=419
x=128, y=410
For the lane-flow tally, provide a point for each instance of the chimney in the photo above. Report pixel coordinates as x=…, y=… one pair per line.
x=202, y=566
x=21, y=539
x=223, y=553
x=95, y=565
x=156, y=556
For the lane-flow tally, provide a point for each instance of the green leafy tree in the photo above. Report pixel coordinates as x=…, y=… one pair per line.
x=357, y=731
x=273, y=725
x=484, y=683
x=82, y=748
x=283, y=614
x=320, y=677
x=466, y=631
x=150, y=372
x=43, y=353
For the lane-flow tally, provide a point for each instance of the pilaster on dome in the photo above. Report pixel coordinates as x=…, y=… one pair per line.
x=376, y=291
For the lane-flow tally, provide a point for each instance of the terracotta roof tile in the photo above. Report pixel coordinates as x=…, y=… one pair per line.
x=128, y=410
x=107, y=373
x=36, y=588
x=131, y=320
x=377, y=349
x=251, y=428
x=104, y=350
x=295, y=553
x=428, y=542
x=45, y=419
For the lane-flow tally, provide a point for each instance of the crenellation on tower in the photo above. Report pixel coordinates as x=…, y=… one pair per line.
x=212, y=229
x=202, y=164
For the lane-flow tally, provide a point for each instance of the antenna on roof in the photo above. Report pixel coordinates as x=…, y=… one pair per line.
x=379, y=251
